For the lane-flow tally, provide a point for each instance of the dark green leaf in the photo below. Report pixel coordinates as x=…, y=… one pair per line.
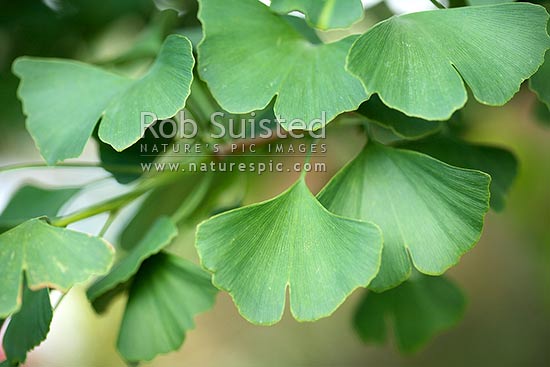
x=159, y=236
x=258, y=251
x=499, y=163
x=50, y=257
x=29, y=327
x=399, y=123
x=64, y=99
x=323, y=14
x=430, y=213
x=255, y=55
x=540, y=82
x=164, y=298
x=542, y=112
x=419, y=63
x=131, y=157
x=418, y=309
x=30, y=202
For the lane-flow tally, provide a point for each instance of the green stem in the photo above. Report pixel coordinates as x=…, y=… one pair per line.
x=200, y=103
x=108, y=222
x=114, y=203
x=438, y=5
x=114, y=168
x=59, y=301
x=106, y=206
x=303, y=174
x=193, y=200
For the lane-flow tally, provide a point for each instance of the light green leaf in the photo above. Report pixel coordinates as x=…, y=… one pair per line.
x=31, y=201
x=323, y=14
x=164, y=298
x=430, y=213
x=399, y=123
x=257, y=251
x=418, y=309
x=159, y=236
x=540, y=82
x=418, y=63
x=255, y=55
x=29, y=327
x=50, y=257
x=487, y=2
x=64, y=99
x=499, y=163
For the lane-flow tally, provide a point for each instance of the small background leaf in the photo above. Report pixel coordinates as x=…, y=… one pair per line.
x=418, y=309
x=540, y=82
x=30, y=201
x=29, y=327
x=159, y=236
x=164, y=298
x=399, y=123
x=323, y=14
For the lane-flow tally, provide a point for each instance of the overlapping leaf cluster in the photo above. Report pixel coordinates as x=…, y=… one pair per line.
x=391, y=220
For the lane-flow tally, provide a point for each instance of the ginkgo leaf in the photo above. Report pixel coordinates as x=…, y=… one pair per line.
x=401, y=124
x=487, y=2
x=29, y=327
x=255, y=55
x=31, y=202
x=323, y=14
x=540, y=82
x=64, y=99
x=161, y=233
x=258, y=251
x=430, y=213
x=542, y=113
x=418, y=309
x=419, y=63
x=499, y=163
x=50, y=257
x=165, y=296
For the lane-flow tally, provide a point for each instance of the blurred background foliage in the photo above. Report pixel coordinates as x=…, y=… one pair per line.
x=506, y=277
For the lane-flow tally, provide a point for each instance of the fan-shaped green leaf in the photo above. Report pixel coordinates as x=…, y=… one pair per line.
x=29, y=327
x=418, y=63
x=30, y=202
x=166, y=294
x=323, y=14
x=256, y=252
x=50, y=257
x=255, y=55
x=64, y=99
x=430, y=213
x=159, y=236
x=418, y=309
x=540, y=82
x=499, y=163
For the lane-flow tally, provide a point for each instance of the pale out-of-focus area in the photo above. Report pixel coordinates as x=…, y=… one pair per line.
x=506, y=277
